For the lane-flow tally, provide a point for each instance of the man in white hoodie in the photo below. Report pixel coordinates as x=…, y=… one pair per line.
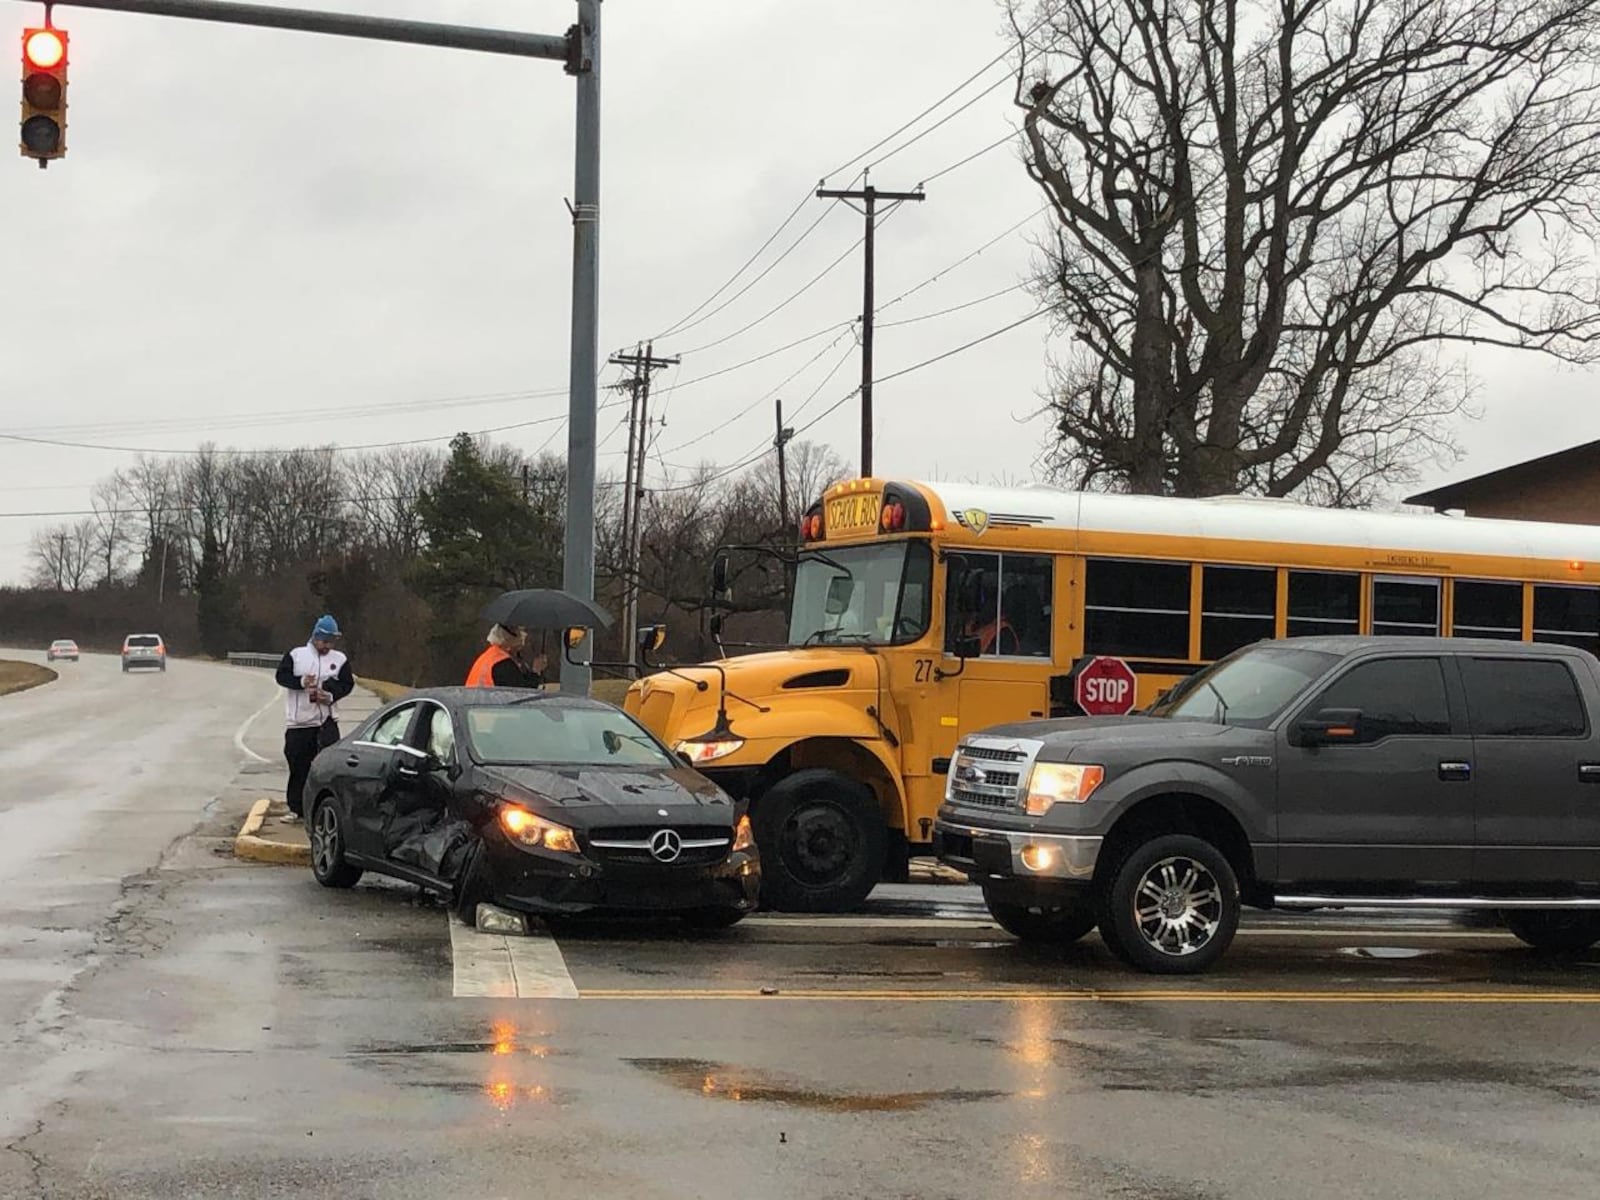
x=315, y=677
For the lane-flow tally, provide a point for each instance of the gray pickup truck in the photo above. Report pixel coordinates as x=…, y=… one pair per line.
x=1311, y=773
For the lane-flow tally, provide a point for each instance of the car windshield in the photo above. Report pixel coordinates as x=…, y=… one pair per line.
x=144, y=640
x=545, y=734
x=1249, y=688
x=861, y=594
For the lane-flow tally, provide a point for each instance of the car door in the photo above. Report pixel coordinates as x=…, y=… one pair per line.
x=415, y=796
x=1538, y=768
x=1395, y=803
x=367, y=769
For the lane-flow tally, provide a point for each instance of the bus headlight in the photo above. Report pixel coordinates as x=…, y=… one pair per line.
x=700, y=753
x=1060, y=783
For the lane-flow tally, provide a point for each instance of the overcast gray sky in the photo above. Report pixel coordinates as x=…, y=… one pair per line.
x=251, y=223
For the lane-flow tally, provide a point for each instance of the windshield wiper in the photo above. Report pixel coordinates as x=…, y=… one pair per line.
x=1222, y=703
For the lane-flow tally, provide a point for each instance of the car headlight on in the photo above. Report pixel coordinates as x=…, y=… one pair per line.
x=700, y=753
x=743, y=838
x=1060, y=783
x=530, y=829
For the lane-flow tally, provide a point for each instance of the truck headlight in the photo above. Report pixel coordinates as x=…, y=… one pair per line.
x=1060, y=783
x=530, y=829
x=700, y=753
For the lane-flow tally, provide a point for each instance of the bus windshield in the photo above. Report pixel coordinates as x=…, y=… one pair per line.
x=874, y=594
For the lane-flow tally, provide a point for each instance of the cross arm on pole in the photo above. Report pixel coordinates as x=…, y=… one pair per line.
x=382, y=29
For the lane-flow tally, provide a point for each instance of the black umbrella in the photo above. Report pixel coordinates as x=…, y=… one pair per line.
x=545, y=608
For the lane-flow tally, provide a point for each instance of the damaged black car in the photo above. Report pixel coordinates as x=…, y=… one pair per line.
x=539, y=802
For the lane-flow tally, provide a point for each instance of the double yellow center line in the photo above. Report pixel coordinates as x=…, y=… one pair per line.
x=1105, y=995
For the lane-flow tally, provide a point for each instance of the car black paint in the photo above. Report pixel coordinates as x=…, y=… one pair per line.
x=408, y=814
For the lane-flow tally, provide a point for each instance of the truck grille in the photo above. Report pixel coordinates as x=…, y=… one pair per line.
x=963, y=795
x=989, y=773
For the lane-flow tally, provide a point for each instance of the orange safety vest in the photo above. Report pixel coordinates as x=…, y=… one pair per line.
x=482, y=673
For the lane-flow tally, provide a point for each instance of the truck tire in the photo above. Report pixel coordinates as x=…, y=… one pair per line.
x=1556, y=930
x=1170, y=905
x=822, y=842
x=1050, y=924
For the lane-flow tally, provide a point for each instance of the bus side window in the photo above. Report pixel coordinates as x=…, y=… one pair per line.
x=1027, y=587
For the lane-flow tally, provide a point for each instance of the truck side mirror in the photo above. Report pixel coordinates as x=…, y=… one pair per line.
x=1330, y=727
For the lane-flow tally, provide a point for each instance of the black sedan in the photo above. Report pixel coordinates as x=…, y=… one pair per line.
x=535, y=801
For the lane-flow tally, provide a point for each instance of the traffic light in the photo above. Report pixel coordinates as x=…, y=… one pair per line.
x=44, y=94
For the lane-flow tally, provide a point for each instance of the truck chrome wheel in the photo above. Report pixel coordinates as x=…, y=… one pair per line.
x=1178, y=906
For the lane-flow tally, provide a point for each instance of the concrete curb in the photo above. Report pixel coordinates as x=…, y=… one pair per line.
x=248, y=845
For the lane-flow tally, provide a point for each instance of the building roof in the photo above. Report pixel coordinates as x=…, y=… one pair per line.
x=1464, y=492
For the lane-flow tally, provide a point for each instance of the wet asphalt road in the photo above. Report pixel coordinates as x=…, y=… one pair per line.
x=187, y=1025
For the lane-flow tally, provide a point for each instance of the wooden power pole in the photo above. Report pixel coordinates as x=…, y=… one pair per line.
x=644, y=364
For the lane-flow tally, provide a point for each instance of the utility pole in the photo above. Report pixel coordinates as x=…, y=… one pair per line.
x=869, y=196
x=779, y=441
x=644, y=364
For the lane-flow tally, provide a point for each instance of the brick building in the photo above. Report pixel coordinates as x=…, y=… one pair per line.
x=1564, y=486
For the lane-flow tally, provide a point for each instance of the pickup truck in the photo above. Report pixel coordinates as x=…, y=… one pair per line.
x=1317, y=772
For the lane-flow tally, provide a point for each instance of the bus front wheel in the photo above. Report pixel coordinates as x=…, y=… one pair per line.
x=822, y=842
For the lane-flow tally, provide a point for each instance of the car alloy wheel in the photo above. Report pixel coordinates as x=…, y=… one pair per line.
x=327, y=849
x=1177, y=906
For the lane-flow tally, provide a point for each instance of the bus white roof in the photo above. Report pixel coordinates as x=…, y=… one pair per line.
x=1252, y=519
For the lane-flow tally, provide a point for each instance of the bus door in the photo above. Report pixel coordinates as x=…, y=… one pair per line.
x=999, y=608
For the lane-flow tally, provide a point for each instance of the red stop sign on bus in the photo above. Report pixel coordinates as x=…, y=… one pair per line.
x=1105, y=687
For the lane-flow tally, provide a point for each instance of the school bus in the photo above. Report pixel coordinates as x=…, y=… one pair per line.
x=922, y=612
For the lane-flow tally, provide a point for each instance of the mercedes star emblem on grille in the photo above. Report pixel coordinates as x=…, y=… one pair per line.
x=665, y=845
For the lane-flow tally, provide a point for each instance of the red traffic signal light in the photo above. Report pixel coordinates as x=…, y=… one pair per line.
x=44, y=48
x=44, y=94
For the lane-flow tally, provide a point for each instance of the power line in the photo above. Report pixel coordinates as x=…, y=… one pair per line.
x=940, y=123
x=944, y=312
x=243, y=453
x=943, y=171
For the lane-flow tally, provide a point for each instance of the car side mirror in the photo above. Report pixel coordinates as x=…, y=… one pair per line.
x=1330, y=727
x=432, y=764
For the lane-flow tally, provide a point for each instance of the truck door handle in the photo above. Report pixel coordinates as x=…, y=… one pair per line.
x=1589, y=772
x=1455, y=772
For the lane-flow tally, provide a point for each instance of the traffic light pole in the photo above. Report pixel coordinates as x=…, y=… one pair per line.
x=579, y=49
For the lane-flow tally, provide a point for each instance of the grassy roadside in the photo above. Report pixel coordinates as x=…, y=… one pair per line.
x=20, y=676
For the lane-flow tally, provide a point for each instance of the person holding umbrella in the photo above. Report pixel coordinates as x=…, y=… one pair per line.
x=501, y=663
x=513, y=614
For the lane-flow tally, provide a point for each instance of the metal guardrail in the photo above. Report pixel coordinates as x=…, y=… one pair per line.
x=246, y=658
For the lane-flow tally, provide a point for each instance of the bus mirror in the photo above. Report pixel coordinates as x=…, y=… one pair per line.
x=968, y=647
x=715, y=625
x=840, y=588
x=719, y=574
x=572, y=638
x=651, y=639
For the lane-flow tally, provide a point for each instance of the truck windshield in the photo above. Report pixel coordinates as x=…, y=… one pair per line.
x=875, y=594
x=1249, y=688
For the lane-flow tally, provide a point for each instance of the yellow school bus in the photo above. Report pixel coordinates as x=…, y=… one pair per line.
x=923, y=612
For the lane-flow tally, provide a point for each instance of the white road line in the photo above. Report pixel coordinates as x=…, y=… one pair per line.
x=244, y=726
x=528, y=968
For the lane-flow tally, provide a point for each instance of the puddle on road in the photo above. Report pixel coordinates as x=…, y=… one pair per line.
x=494, y=1048
x=1384, y=951
x=720, y=1081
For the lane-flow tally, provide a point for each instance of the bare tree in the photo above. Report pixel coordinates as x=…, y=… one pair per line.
x=114, y=526
x=64, y=556
x=1276, y=224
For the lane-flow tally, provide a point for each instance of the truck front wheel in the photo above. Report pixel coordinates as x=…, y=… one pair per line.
x=822, y=842
x=1170, y=906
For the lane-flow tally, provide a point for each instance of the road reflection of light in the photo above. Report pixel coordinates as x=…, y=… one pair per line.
x=1033, y=1165
x=503, y=1089
x=1032, y=1041
x=503, y=1037
x=502, y=1093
